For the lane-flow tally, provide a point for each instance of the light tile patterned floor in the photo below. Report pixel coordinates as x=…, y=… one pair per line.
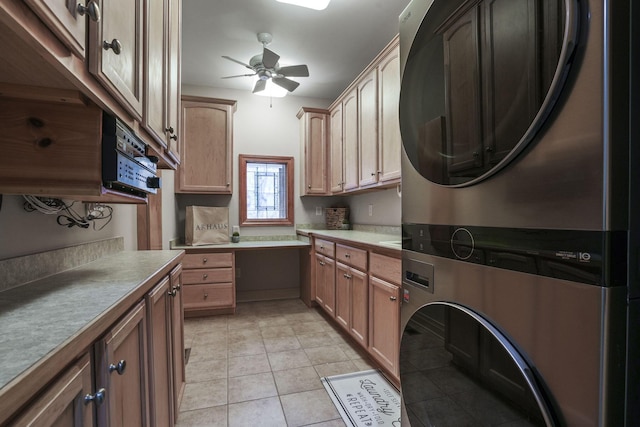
x=262, y=367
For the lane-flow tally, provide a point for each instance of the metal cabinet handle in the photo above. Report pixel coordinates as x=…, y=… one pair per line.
x=309, y=186
x=174, y=137
x=92, y=9
x=169, y=129
x=205, y=296
x=97, y=398
x=119, y=367
x=393, y=298
x=228, y=184
x=347, y=276
x=347, y=255
x=204, y=260
x=115, y=45
x=373, y=174
x=321, y=262
x=204, y=276
x=173, y=292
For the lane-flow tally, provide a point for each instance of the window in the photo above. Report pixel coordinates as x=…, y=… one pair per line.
x=266, y=190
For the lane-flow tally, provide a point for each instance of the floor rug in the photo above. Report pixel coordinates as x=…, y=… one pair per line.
x=364, y=399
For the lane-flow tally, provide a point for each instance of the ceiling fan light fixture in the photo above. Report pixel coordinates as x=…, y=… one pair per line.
x=271, y=90
x=311, y=4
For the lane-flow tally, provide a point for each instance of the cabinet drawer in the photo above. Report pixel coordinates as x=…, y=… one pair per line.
x=352, y=256
x=324, y=247
x=385, y=267
x=208, y=260
x=207, y=275
x=209, y=296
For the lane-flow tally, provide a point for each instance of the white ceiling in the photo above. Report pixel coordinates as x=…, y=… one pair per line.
x=336, y=43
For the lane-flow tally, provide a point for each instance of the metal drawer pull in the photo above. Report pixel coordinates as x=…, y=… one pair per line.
x=204, y=260
x=173, y=292
x=205, y=296
x=98, y=397
x=204, y=276
x=115, y=45
x=92, y=9
x=393, y=298
x=119, y=368
x=347, y=276
x=347, y=255
x=321, y=262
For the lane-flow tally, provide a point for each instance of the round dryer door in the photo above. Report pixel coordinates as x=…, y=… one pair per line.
x=456, y=369
x=479, y=80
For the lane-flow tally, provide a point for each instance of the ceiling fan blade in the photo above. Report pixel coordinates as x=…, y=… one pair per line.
x=294, y=71
x=239, y=75
x=260, y=85
x=237, y=62
x=289, y=85
x=269, y=58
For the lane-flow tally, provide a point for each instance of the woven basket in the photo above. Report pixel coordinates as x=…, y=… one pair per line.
x=334, y=217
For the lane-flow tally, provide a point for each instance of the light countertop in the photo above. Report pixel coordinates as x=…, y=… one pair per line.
x=245, y=245
x=386, y=241
x=43, y=316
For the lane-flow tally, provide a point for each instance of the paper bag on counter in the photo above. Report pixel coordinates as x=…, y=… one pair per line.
x=205, y=225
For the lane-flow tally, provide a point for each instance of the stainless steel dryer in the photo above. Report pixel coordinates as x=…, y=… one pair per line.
x=520, y=250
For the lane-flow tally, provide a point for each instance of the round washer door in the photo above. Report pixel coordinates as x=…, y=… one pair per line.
x=456, y=369
x=479, y=81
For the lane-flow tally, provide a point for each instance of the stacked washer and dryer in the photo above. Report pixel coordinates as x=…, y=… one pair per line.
x=520, y=181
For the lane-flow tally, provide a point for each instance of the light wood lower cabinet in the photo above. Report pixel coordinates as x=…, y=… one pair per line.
x=121, y=369
x=63, y=404
x=325, y=273
x=158, y=305
x=384, y=323
x=177, y=338
x=209, y=283
x=384, y=302
x=360, y=289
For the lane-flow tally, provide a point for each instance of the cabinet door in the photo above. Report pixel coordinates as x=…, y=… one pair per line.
x=314, y=130
x=63, y=404
x=389, y=148
x=318, y=277
x=336, y=177
x=350, y=140
x=206, y=148
x=177, y=338
x=155, y=76
x=384, y=323
x=121, y=364
x=330, y=286
x=116, y=48
x=368, y=129
x=172, y=124
x=64, y=20
x=160, y=364
x=343, y=296
x=359, y=325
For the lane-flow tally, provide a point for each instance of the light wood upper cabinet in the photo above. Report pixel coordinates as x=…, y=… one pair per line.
x=172, y=124
x=350, y=140
x=206, y=146
x=368, y=128
x=116, y=52
x=162, y=73
x=390, y=143
x=336, y=164
x=314, y=127
x=67, y=20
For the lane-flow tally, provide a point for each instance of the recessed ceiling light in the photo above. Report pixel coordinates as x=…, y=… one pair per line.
x=311, y=4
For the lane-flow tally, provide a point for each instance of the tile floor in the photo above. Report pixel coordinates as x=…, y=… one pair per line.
x=262, y=367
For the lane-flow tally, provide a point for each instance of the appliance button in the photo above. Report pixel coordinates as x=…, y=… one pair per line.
x=462, y=243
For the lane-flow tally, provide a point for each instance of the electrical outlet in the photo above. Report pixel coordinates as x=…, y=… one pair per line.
x=318, y=210
x=370, y=210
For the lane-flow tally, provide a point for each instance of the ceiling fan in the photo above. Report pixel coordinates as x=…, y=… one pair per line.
x=266, y=66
